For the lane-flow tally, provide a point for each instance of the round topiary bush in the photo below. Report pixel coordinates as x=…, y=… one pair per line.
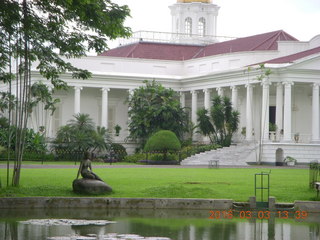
x=163, y=141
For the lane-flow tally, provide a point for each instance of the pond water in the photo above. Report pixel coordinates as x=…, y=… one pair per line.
x=157, y=225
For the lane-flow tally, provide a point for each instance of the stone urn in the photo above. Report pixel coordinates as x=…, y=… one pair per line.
x=90, y=186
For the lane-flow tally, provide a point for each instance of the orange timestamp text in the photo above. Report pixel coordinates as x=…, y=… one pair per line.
x=229, y=214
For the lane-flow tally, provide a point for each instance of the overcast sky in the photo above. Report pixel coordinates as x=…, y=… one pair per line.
x=237, y=18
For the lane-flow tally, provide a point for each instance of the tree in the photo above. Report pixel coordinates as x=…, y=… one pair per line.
x=153, y=107
x=220, y=123
x=80, y=136
x=45, y=33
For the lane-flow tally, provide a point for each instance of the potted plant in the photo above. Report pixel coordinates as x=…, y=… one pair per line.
x=117, y=128
x=272, y=131
x=243, y=131
x=290, y=161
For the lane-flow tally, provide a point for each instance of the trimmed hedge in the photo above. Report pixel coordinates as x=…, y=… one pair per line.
x=164, y=141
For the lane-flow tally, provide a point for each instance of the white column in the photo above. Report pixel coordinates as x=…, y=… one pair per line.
x=194, y=100
x=130, y=94
x=77, y=99
x=234, y=97
x=249, y=113
x=104, y=107
x=287, y=112
x=220, y=91
x=182, y=99
x=49, y=118
x=265, y=111
x=279, y=110
x=315, y=113
x=207, y=99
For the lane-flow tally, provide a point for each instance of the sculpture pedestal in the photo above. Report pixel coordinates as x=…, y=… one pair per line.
x=90, y=186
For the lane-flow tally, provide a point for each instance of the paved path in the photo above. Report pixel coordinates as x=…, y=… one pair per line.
x=35, y=166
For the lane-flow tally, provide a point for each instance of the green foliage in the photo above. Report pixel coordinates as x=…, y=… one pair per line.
x=117, y=128
x=34, y=141
x=164, y=141
x=290, y=159
x=135, y=157
x=264, y=73
x=204, y=123
x=41, y=93
x=80, y=136
x=152, y=108
x=119, y=150
x=272, y=127
x=36, y=156
x=2, y=149
x=30, y=29
x=31, y=32
x=220, y=124
x=162, y=157
x=195, y=149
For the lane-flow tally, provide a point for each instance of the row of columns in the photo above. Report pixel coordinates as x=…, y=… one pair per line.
x=283, y=108
x=104, y=104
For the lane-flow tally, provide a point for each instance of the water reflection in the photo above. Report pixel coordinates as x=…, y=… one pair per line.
x=170, y=224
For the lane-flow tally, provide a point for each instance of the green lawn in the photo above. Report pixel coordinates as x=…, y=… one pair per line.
x=287, y=185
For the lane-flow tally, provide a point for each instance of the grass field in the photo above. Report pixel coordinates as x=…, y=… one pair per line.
x=287, y=185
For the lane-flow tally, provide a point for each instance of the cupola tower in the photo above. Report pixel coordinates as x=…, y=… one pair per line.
x=195, y=21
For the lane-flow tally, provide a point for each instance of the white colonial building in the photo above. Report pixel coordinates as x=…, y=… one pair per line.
x=195, y=62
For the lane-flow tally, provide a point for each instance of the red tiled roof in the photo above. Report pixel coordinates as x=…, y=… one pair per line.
x=149, y=50
x=164, y=51
x=262, y=42
x=296, y=56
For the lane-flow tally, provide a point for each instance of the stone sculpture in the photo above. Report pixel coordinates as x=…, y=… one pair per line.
x=90, y=183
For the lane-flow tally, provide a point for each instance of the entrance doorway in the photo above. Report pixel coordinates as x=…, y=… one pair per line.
x=279, y=157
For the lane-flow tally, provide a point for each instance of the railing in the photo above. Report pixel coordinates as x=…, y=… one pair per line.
x=274, y=137
x=296, y=138
x=168, y=37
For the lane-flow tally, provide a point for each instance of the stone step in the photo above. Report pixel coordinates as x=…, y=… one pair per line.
x=233, y=155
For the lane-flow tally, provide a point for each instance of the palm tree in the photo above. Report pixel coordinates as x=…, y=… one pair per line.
x=102, y=139
x=80, y=136
x=82, y=122
x=222, y=122
x=204, y=124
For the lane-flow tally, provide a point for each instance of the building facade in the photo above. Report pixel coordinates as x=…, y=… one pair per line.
x=201, y=69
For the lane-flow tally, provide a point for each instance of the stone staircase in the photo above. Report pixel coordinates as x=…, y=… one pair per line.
x=235, y=155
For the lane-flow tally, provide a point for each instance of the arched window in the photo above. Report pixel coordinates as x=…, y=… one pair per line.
x=188, y=26
x=202, y=26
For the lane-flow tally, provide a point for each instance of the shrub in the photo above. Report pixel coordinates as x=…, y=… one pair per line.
x=34, y=156
x=164, y=141
x=28, y=156
x=34, y=141
x=119, y=150
x=161, y=157
x=195, y=149
x=135, y=157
